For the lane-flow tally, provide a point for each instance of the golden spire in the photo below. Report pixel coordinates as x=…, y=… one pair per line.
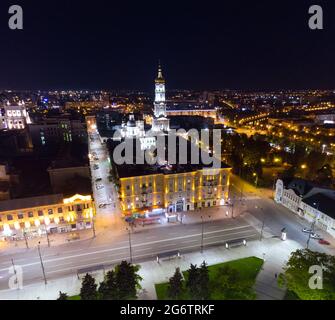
x=160, y=74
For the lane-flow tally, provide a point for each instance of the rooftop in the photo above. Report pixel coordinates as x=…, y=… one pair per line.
x=322, y=202
x=17, y=204
x=136, y=170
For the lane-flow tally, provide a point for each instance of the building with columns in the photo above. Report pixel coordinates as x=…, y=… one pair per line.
x=170, y=189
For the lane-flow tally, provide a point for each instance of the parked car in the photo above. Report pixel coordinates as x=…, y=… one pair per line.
x=315, y=236
x=307, y=230
x=98, y=179
x=325, y=242
x=102, y=205
x=95, y=167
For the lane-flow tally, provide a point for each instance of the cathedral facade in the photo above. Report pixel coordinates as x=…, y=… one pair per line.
x=160, y=122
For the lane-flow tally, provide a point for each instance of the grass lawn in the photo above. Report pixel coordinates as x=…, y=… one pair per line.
x=77, y=297
x=248, y=269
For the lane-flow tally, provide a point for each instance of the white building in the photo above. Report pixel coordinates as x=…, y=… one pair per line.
x=14, y=117
x=160, y=121
x=309, y=201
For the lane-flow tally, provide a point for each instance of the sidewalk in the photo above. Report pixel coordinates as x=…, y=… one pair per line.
x=109, y=226
x=273, y=250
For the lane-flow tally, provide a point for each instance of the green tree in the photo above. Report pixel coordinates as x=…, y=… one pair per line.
x=204, y=281
x=88, y=289
x=296, y=275
x=175, y=284
x=62, y=296
x=127, y=280
x=232, y=284
x=108, y=289
x=192, y=282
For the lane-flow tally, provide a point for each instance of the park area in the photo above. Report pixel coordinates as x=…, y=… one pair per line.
x=232, y=280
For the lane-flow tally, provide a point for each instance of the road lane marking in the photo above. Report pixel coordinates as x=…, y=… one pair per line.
x=150, y=248
x=135, y=245
x=75, y=268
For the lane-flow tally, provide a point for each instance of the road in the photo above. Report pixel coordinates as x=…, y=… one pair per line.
x=103, y=190
x=275, y=216
x=66, y=259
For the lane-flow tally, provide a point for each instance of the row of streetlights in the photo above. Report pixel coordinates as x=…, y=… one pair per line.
x=39, y=251
x=201, y=245
x=47, y=235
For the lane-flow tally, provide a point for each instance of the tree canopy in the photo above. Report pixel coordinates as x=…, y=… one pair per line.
x=296, y=275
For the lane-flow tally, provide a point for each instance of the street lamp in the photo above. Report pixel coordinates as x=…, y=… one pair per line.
x=93, y=228
x=14, y=269
x=202, y=233
x=232, y=207
x=39, y=253
x=130, y=248
x=312, y=225
x=25, y=239
x=256, y=178
x=261, y=235
x=46, y=231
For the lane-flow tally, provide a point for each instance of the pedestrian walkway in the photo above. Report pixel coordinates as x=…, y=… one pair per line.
x=274, y=251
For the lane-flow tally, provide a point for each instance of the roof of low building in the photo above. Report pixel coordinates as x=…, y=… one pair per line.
x=299, y=186
x=324, y=203
x=23, y=203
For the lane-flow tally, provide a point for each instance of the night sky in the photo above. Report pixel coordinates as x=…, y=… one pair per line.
x=202, y=45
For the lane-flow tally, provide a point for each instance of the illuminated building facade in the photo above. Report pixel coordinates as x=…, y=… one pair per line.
x=160, y=121
x=51, y=213
x=14, y=117
x=206, y=113
x=173, y=191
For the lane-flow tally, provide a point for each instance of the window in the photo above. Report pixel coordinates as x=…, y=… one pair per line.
x=40, y=213
x=50, y=211
x=20, y=216
x=78, y=207
x=30, y=214
x=127, y=187
x=60, y=210
x=9, y=217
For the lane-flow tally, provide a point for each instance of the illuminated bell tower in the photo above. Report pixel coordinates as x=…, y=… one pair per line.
x=160, y=106
x=160, y=122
